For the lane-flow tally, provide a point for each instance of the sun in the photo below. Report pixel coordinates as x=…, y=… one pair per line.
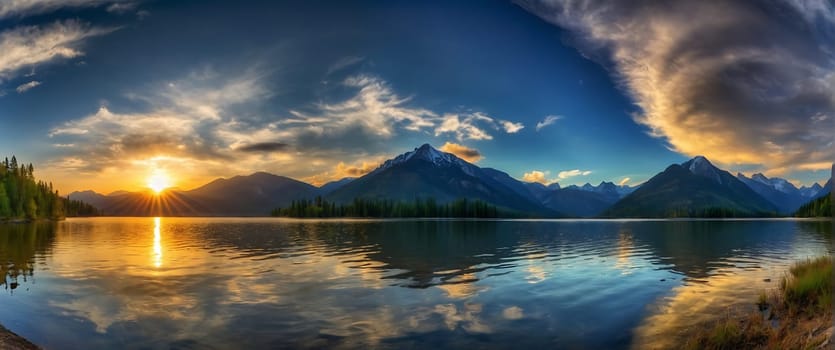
x=159, y=181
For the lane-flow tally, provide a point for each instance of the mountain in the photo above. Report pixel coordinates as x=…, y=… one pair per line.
x=693, y=188
x=811, y=191
x=583, y=201
x=607, y=189
x=427, y=172
x=334, y=185
x=573, y=201
x=779, y=192
x=253, y=195
x=825, y=190
x=540, y=191
x=95, y=199
x=515, y=185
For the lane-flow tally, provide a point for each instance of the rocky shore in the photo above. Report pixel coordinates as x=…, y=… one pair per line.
x=11, y=341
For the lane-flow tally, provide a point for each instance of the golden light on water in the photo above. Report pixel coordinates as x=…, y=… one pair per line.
x=159, y=181
x=157, y=252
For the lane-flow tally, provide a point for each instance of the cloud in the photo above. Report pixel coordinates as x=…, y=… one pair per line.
x=572, y=173
x=189, y=121
x=549, y=120
x=538, y=176
x=202, y=122
x=513, y=313
x=342, y=170
x=343, y=63
x=27, y=46
x=264, y=147
x=375, y=111
x=122, y=7
x=624, y=181
x=511, y=127
x=375, y=108
x=465, y=127
x=741, y=82
x=25, y=87
x=471, y=155
x=10, y=8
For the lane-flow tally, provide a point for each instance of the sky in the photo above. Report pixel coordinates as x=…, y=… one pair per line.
x=105, y=94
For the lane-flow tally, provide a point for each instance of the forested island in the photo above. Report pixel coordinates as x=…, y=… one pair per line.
x=382, y=208
x=23, y=198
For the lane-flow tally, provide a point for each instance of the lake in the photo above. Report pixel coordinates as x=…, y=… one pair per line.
x=218, y=283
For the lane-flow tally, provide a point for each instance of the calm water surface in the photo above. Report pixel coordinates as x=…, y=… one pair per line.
x=274, y=283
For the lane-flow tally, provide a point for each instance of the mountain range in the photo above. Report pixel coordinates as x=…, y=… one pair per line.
x=693, y=188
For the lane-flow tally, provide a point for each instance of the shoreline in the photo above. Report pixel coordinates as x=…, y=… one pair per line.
x=798, y=315
x=10, y=340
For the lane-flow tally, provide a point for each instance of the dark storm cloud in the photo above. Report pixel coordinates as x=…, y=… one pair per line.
x=738, y=81
x=264, y=147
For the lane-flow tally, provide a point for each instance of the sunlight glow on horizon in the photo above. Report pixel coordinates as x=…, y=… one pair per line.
x=159, y=181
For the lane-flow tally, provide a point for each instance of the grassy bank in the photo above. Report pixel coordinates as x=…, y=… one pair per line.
x=796, y=316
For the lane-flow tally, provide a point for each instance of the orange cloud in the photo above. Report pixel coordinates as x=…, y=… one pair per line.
x=471, y=155
x=342, y=170
x=537, y=176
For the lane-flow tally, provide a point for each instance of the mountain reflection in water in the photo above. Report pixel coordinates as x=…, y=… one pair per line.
x=274, y=283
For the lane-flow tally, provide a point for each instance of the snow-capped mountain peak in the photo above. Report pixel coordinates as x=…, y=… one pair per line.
x=430, y=154
x=811, y=191
x=759, y=177
x=699, y=165
x=776, y=183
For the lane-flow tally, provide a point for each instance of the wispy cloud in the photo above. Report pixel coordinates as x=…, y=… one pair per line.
x=122, y=7
x=10, y=8
x=742, y=82
x=572, y=173
x=471, y=155
x=549, y=120
x=27, y=86
x=343, y=63
x=28, y=46
x=377, y=111
x=376, y=108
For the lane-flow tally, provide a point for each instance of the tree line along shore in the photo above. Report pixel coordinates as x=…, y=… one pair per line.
x=24, y=199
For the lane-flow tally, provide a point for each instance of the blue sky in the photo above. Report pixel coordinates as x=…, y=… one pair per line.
x=101, y=94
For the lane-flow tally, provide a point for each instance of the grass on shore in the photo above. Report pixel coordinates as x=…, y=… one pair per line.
x=797, y=316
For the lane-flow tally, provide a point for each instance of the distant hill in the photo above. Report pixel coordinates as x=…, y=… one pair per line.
x=334, y=185
x=578, y=203
x=253, y=195
x=694, y=188
x=427, y=172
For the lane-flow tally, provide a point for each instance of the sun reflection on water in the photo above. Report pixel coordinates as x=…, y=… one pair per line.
x=157, y=253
